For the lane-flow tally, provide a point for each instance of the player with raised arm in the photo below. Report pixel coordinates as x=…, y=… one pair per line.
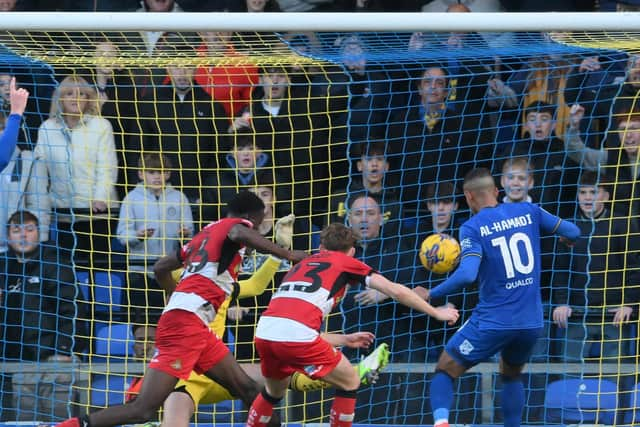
x=501, y=250
x=288, y=337
x=184, y=342
x=9, y=139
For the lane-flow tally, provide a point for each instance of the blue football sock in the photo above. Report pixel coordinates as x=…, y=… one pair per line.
x=512, y=401
x=441, y=395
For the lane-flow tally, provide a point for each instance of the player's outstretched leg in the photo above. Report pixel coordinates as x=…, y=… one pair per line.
x=369, y=368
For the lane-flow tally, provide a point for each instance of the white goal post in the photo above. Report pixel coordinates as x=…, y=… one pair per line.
x=221, y=21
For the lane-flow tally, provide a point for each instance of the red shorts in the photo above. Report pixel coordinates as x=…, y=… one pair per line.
x=315, y=359
x=184, y=344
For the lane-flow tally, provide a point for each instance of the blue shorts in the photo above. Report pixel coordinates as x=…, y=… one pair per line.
x=471, y=345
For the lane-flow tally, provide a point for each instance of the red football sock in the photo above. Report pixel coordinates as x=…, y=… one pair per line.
x=342, y=411
x=260, y=412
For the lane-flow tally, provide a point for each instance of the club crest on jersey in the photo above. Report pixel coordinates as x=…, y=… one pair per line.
x=465, y=243
x=311, y=369
x=465, y=348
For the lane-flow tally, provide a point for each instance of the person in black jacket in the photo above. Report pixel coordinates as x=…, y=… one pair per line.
x=428, y=338
x=117, y=93
x=38, y=314
x=554, y=172
x=180, y=120
x=431, y=142
x=244, y=162
x=293, y=130
x=370, y=310
x=597, y=286
x=374, y=178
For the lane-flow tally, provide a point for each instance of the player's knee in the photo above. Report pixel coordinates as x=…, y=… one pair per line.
x=270, y=398
x=450, y=367
x=444, y=372
x=510, y=372
x=351, y=384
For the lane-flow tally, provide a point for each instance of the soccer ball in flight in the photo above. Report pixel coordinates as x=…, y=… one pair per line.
x=440, y=253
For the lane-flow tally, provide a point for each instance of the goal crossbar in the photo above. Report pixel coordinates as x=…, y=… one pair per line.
x=220, y=21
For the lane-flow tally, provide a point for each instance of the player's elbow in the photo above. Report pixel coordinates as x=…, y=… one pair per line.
x=467, y=271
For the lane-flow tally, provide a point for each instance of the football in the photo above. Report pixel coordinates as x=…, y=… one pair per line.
x=440, y=253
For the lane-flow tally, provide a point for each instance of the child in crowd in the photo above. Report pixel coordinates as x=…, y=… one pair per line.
x=442, y=205
x=555, y=173
x=155, y=219
x=517, y=180
x=245, y=160
x=373, y=178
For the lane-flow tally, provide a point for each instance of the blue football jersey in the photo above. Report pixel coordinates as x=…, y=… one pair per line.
x=507, y=239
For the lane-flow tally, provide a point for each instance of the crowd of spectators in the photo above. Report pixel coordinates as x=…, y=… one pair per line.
x=132, y=160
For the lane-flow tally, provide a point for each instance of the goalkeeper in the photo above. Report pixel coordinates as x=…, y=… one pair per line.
x=181, y=404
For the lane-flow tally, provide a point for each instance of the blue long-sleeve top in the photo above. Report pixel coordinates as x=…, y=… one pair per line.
x=9, y=139
x=501, y=250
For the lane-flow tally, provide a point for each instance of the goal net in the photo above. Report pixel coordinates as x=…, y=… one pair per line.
x=133, y=141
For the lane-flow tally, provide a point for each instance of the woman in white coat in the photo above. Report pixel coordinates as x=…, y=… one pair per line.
x=76, y=151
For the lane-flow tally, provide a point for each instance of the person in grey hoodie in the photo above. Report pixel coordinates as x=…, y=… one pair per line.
x=155, y=219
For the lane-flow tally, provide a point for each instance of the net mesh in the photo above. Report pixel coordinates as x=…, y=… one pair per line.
x=133, y=141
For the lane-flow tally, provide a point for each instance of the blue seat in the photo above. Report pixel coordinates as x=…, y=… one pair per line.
x=108, y=390
x=105, y=290
x=632, y=415
x=114, y=343
x=108, y=290
x=82, y=277
x=583, y=401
